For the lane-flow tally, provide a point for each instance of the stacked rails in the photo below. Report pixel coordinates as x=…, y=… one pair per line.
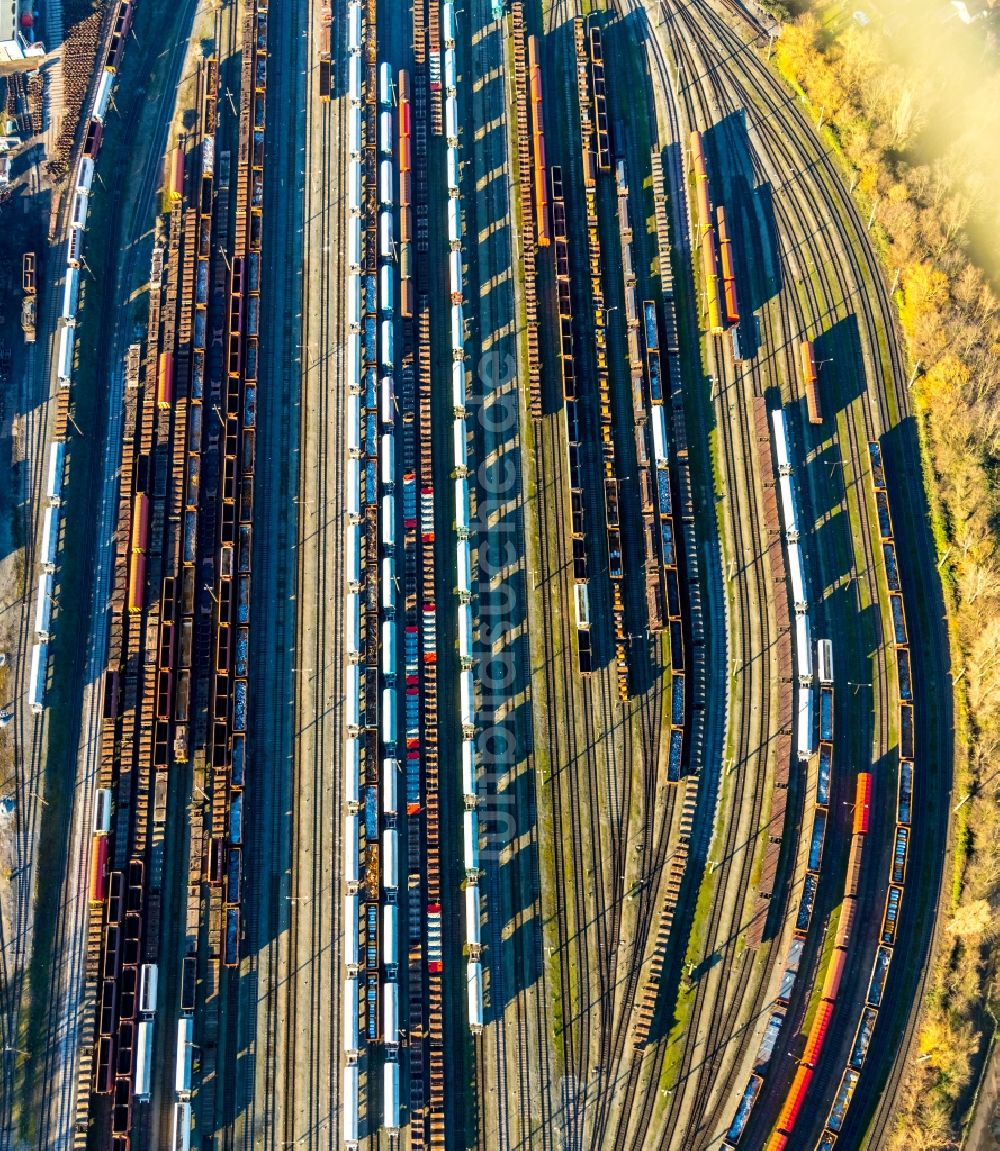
x=571, y=417
x=390, y=739
x=38, y=662
x=599, y=312
x=648, y=499
x=543, y=233
x=807, y=363
x=778, y=814
x=816, y=1036
x=600, y=97
x=904, y=812
x=525, y=172
x=704, y=239
x=463, y=556
x=667, y=535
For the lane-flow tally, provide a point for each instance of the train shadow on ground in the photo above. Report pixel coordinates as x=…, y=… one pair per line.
x=749, y=208
x=840, y=367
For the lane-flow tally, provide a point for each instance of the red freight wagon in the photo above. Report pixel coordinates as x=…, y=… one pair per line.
x=92, y=144
x=99, y=868
x=140, y=522
x=862, y=802
x=793, y=1105
x=817, y=1034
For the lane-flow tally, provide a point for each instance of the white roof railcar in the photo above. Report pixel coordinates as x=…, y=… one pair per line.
x=450, y=70
x=353, y=488
x=474, y=978
x=389, y=648
x=465, y=631
x=143, y=1058
x=390, y=1012
x=390, y=858
x=351, y=1030
x=390, y=934
x=660, y=454
x=353, y=555
x=390, y=784
x=454, y=221
x=581, y=604
x=57, y=460
x=462, y=504
x=102, y=810
x=354, y=242
x=464, y=567
x=803, y=647
x=780, y=440
x=455, y=271
x=388, y=583
x=452, y=169
x=182, y=1125
x=472, y=914
x=354, y=79
x=468, y=699
x=387, y=248
x=352, y=624
x=469, y=769
x=470, y=820
x=71, y=295
x=388, y=521
x=451, y=118
x=795, y=575
x=390, y=1095
x=185, y=1054
x=354, y=28
x=39, y=669
x=385, y=179
x=50, y=539
x=351, y=868
x=388, y=459
x=388, y=715
x=354, y=178
x=353, y=692
x=388, y=347
x=65, y=363
x=385, y=133
x=43, y=607
x=352, y=770
x=354, y=424
x=788, y=506
x=824, y=660
x=388, y=401
x=148, y=981
x=84, y=174
x=385, y=83
x=461, y=450
x=457, y=329
x=352, y=949
x=804, y=736
x=386, y=283
x=458, y=385
x=449, y=24
x=351, y=1104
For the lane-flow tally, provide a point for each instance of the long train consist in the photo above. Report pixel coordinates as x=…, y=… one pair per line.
x=168, y=539
x=81, y=188
x=904, y=810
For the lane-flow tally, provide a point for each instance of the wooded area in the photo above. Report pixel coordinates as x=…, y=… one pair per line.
x=873, y=110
